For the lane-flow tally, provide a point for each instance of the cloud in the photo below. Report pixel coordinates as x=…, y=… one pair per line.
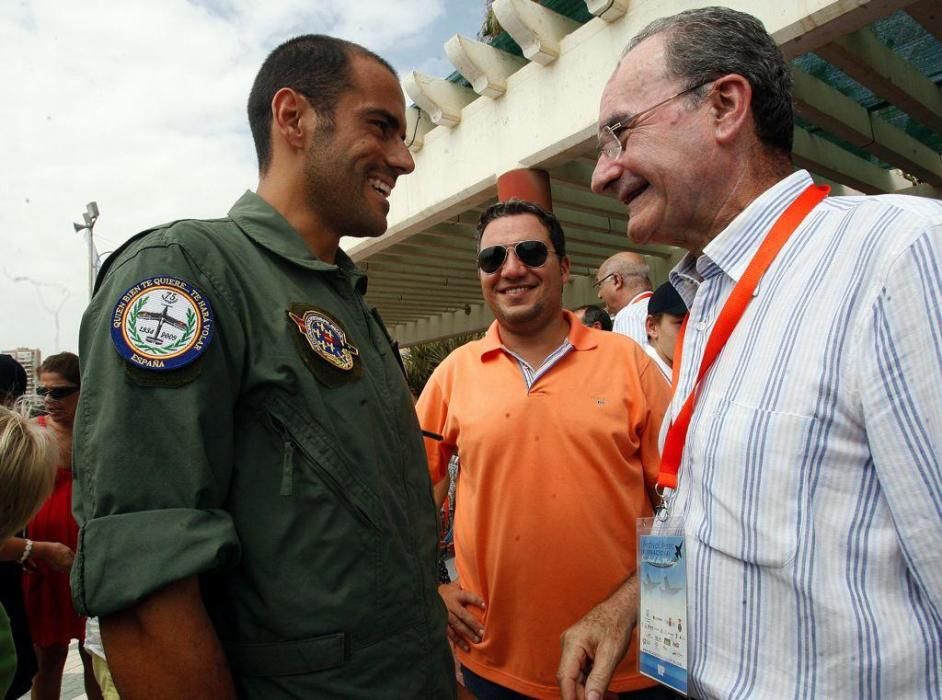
x=140, y=106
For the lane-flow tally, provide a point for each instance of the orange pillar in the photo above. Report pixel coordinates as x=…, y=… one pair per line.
x=529, y=184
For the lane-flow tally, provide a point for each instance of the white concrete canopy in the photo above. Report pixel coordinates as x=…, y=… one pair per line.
x=422, y=274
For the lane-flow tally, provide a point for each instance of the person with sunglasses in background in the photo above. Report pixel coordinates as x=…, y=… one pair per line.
x=556, y=427
x=52, y=534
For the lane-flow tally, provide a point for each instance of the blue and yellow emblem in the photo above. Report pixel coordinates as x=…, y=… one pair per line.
x=326, y=338
x=162, y=323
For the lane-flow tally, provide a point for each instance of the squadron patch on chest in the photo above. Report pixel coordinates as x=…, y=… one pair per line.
x=325, y=337
x=162, y=323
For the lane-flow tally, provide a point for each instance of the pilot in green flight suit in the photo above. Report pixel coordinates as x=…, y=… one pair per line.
x=246, y=443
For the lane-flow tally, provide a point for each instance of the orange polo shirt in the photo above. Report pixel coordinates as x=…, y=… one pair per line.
x=551, y=482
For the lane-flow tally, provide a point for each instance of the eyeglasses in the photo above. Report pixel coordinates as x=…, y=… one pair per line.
x=530, y=253
x=598, y=283
x=610, y=145
x=56, y=393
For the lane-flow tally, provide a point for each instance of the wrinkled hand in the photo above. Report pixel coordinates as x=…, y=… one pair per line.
x=594, y=646
x=463, y=627
x=56, y=555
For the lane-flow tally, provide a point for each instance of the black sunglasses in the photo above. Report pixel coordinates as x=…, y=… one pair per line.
x=56, y=393
x=530, y=253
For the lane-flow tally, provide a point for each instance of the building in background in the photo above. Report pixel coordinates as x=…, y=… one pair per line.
x=30, y=358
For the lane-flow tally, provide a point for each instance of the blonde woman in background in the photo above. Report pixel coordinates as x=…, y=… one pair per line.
x=27, y=474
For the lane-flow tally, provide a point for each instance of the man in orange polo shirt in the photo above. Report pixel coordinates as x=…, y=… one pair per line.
x=556, y=426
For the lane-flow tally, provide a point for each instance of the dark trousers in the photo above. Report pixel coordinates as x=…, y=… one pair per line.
x=483, y=689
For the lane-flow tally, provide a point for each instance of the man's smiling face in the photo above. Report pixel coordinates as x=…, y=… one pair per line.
x=523, y=299
x=663, y=170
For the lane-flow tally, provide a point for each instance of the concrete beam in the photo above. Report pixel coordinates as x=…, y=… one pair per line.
x=609, y=10
x=875, y=66
x=807, y=26
x=831, y=161
x=537, y=30
x=842, y=116
x=485, y=67
x=929, y=14
x=922, y=190
x=418, y=124
x=441, y=99
x=442, y=326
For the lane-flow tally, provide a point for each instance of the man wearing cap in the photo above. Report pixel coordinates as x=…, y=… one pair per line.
x=624, y=285
x=804, y=468
x=666, y=311
x=255, y=508
x=556, y=428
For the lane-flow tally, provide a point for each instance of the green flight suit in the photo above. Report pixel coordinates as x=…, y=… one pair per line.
x=297, y=490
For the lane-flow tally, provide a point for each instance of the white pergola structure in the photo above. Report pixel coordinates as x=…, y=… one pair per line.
x=539, y=110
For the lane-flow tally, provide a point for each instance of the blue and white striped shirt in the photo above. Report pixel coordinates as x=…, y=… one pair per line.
x=811, y=485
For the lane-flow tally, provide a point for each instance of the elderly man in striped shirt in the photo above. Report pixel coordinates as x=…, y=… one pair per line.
x=808, y=480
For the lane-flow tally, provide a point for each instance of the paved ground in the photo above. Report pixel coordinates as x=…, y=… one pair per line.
x=72, y=684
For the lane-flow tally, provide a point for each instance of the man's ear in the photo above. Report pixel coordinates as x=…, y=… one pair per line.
x=651, y=327
x=289, y=110
x=564, y=268
x=730, y=107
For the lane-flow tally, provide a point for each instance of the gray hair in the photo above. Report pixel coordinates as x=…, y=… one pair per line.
x=710, y=42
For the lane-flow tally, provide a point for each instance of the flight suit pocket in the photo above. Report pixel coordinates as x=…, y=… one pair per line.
x=750, y=478
x=274, y=659
x=310, y=453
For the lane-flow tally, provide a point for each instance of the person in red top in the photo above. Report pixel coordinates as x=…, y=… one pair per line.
x=53, y=621
x=556, y=428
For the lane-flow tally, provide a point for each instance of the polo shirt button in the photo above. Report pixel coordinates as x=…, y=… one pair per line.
x=701, y=326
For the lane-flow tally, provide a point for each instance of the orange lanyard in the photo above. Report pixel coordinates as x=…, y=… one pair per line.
x=729, y=316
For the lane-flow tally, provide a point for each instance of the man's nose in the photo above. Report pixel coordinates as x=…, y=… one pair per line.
x=513, y=265
x=605, y=173
x=401, y=158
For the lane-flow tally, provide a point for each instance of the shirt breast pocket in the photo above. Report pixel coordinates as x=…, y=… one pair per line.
x=746, y=486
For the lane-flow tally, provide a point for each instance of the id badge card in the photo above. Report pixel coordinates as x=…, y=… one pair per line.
x=662, y=613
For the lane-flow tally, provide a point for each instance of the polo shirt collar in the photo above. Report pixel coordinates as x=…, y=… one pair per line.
x=269, y=229
x=733, y=249
x=579, y=337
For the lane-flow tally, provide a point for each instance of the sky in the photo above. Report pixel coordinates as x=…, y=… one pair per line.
x=139, y=105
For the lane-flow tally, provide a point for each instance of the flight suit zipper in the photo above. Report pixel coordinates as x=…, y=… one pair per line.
x=330, y=481
x=287, y=470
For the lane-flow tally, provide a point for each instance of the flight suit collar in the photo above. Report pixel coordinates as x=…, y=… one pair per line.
x=264, y=225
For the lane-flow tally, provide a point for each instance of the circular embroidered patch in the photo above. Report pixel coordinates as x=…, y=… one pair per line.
x=162, y=323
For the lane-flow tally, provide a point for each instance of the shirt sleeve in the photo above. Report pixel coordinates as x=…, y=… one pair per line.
x=432, y=410
x=153, y=451
x=900, y=383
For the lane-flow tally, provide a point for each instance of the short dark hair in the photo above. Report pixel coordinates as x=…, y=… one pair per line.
x=592, y=313
x=515, y=207
x=315, y=65
x=707, y=43
x=65, y=364
x=12, y=379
